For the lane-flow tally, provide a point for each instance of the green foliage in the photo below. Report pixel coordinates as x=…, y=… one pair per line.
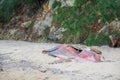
x=82, y=15
x=56, y=4
x=9, y=7
x=29, y=2
x=29, y=26
x=100, y=39
x=76, y=19
x=117, y=34
x=68, y=19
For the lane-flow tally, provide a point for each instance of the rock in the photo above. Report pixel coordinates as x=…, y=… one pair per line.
x=96, y=26
x=43, y=69
x=41, y=25
x=50, y=4
x=56, y=71
x=18, y=24
x=46, y=78
x=114, y=25
x=105, y=29
x=37, y=29
x=115, y=41
x=15, y=20
x=63, y=2
x=67, y=2
x=1, y=69
x=56, y=34
x=12, y=31
x=25, y=24
x=20, y=35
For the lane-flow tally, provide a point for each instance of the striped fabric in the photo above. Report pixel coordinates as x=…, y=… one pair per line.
x=66, y=51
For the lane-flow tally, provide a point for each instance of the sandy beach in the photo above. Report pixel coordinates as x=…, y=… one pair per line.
x=20, y=60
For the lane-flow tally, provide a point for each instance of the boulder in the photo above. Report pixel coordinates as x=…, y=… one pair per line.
x=113, y=26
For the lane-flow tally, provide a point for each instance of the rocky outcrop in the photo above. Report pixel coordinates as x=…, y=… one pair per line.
x=111, y=27
x=25, y=27
x=32, y=26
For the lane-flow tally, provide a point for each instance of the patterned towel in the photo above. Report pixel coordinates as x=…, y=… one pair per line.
x=69, y=52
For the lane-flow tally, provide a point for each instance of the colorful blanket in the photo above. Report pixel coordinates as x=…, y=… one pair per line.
x=69, y=52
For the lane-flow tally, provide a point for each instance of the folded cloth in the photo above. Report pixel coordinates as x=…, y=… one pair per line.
x=88, y=55
x=62, y=51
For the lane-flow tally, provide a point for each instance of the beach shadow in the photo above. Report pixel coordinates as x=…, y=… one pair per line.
x=7, y=63
x=4, y=58
x=107, y=61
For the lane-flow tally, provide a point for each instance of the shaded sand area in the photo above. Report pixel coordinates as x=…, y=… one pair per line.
x=21, y=60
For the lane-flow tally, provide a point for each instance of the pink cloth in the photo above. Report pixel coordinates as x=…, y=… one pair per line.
x=65, y=52
x=87, y=55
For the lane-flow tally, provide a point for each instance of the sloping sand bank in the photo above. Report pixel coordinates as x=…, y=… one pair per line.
x=24, y=61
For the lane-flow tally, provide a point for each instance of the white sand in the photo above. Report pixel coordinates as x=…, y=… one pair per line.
x=24, y=61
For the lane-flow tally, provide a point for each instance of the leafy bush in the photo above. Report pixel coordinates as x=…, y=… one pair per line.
x=69, y=18
x=56, y=4
x=100, y=39
x=9, y=7
x=82, y=15
x=117, y=34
